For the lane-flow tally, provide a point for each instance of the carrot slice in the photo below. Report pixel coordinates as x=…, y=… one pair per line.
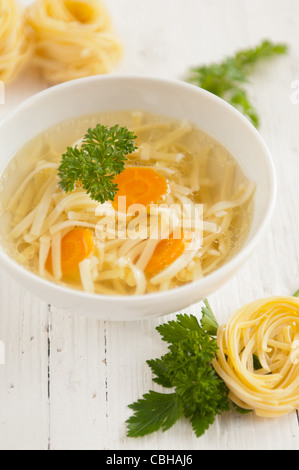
x=75, y=247
x=140, y=185
x=166, y=252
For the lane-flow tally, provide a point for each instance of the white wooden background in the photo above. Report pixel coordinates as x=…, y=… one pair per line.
x=67, y=380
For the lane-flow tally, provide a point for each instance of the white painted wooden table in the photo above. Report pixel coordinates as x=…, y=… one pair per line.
x=67, y=380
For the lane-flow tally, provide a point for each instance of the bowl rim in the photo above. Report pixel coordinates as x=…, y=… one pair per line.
x=210, y=278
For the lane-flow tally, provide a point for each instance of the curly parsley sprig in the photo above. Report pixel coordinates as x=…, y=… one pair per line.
x=227, y=79
x=95, y=164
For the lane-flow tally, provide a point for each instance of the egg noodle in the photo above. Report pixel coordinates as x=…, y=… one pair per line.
x=266, y=330
x=43, y=214
x=64, y=39
x=15, y=42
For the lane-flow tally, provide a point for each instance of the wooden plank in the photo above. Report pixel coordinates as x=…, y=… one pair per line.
x=78, y=388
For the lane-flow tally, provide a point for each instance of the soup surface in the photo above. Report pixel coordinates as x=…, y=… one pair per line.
x=193, y=213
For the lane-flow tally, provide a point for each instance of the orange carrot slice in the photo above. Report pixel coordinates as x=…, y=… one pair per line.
x=140, y=185
x=75, y=247
x=166, y=252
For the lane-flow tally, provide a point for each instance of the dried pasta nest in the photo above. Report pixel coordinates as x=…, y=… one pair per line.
x=258, y=356
x=64, y=39
x=15, y=41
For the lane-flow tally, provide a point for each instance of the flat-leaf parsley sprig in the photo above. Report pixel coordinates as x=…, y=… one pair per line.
x=95, y=164
x=226, y=79
x=198, y=394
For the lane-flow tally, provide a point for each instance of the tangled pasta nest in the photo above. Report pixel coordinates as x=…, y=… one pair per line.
x=64, y=39
x=15, y=41
x=73, y=38
x=258, y=356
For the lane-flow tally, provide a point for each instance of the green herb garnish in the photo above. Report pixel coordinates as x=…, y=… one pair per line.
x=199, y=393
x=227, y=78
x=95, y=164
x=208, y=320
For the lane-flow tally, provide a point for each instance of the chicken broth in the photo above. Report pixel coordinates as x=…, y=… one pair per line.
x=198, y=207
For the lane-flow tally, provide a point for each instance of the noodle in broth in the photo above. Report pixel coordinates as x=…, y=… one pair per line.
x=207, y=192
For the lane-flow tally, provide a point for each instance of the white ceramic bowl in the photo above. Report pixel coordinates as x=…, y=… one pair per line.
x=161, y=96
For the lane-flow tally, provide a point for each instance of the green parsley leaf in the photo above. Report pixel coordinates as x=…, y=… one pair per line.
x=256, y=362
x=176, y=331
x=155, y=411
x=199, y=393
x=159, y=368
x=227, y=78
x=101, y=157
